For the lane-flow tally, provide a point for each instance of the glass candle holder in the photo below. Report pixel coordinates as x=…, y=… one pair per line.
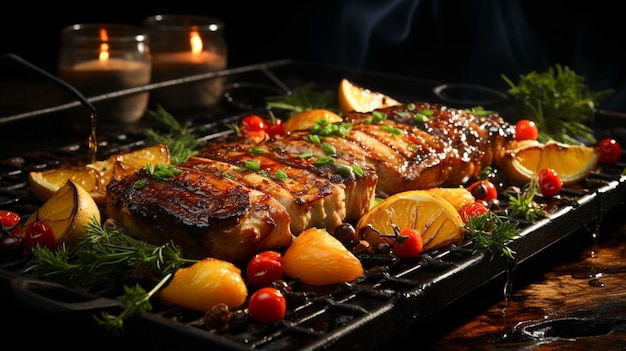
x=99, y=58
x=184, y=46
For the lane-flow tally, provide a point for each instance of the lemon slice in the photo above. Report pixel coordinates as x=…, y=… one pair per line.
x=68, y=212
x=573, y=163
x=45, y=184
x=305, y=119
x=435, y=218
x=352, y=97
x=95, y=177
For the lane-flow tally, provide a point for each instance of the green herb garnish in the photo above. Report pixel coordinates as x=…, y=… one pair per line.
x=559, y=102
x=492, y=232
x=522, y=204
x=303, y=99
x=181, y=143
x=103, y=256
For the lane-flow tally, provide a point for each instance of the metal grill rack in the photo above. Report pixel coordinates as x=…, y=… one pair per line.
x=391, y=296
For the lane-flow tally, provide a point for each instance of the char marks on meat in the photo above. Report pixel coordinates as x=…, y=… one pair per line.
x=205, y=213
x=237, y=198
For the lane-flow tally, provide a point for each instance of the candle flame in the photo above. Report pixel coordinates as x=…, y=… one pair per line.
x=104, y=46
x=196, y=42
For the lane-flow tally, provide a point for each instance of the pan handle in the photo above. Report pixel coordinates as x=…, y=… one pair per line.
x=57, y=297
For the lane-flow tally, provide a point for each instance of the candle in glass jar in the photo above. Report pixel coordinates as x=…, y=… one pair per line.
x=103, y=58
x=185, y=46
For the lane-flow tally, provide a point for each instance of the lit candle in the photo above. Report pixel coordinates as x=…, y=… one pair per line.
x=107, y=62
x=185, y=46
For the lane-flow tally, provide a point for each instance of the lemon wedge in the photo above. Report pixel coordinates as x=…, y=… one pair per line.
x=352, y=97
x=68, y=213
x=436, y=219
x=305, y=119
x=95, y=177
x=573, y=163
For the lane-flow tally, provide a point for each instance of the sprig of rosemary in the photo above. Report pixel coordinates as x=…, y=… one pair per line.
x=492, y=232
x=103, y=256
x=181, y=143
x=559, y=102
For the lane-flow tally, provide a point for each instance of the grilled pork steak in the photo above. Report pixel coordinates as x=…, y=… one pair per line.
x=236, y=198
x=205, y=213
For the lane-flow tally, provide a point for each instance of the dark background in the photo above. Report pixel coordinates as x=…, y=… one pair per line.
x=472, y=41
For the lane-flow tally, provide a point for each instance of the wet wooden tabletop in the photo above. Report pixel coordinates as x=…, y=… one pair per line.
x=571, y=296
x=579, y=304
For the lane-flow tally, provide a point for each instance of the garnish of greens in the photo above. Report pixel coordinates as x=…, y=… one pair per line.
x=181, y=143
x=522, y=204
x=304, y=98
x=101, y=257
x=559, y=102
x=492, y=232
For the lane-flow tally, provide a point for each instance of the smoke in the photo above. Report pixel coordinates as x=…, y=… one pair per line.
x=362, y=23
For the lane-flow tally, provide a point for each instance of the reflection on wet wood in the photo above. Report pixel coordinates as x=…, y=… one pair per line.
x=580, y=304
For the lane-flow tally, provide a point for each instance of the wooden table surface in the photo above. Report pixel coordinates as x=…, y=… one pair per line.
x=572, y=296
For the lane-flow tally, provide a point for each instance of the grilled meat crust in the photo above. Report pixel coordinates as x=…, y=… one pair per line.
x=447, y=149
x=236, y=198
x=310, y=200
x=205, y=213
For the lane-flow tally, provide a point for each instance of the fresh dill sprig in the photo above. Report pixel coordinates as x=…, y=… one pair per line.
x=492, y=233
x=181, y=143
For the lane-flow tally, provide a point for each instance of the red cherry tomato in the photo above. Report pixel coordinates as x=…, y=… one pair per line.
x=265, y=268
x=474, y=209
x=526, y=129
x=549, y=182
x=610, y=150
x=408, y=243
x=267, y=305
x=11, y=222
x=39, y=233
x=253, y=123
x=275, y=128
x=483, y=190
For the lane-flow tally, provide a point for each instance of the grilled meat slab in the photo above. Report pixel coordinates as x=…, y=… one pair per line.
x=310, y=200
x=237, y=198
x=423, y=145
x=207, y=214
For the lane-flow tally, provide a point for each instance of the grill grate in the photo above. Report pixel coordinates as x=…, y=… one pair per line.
x=391, y=295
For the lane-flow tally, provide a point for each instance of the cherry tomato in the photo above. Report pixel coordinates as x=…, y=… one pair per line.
x=267, y=305
x=275, y=128
x=11, y=221
x=474, y=209
x=483, y=190
x=408, y=243
x=526, y=129
x=253, y=123
x=265, y=268
x=610, y=150
x=549, y=182
x=39, y=233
